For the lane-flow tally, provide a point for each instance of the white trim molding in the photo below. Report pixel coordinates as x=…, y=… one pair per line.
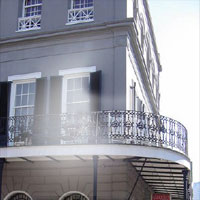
x=77, y=70
x=25, y=76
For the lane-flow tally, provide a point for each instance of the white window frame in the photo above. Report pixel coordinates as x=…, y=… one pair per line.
x=15, y=83
x=30, y=22
x=17, y=79
x=64, y=93
x=73, y=73
x=72, y=3
x=29, y=6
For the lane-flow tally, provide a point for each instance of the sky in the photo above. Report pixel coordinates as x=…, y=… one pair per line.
x=176, y=28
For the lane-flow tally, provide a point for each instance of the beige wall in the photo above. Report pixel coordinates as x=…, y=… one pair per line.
x=44, y=180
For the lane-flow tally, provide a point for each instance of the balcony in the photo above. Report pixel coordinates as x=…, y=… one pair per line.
x=80, y=15
x=29, y=23
x=105, y=127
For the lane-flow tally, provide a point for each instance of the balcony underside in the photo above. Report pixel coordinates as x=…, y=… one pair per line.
x=162, y=171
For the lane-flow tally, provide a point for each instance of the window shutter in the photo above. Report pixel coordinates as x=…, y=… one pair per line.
x=39, y=127
x=55, y=95
x=41, y=96
x=95, y=91
x=55, y=106
x=4, y=111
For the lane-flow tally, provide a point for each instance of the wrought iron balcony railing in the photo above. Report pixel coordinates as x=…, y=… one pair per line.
x=81, y=15
x=29, y=23
x=105, y=127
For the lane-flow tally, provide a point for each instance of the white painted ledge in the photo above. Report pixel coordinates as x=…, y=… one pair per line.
x=100, y=150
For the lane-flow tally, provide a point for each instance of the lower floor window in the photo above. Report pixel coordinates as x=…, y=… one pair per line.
x=24, y=98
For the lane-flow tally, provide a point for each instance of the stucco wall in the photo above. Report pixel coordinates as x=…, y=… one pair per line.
x=49, y=180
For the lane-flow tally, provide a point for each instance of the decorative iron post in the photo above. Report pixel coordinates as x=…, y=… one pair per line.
x=1, y=175
x=185, y=173
x=95, y=167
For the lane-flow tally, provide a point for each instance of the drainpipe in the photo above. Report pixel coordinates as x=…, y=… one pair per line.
x=95, y=168
x=1, y=175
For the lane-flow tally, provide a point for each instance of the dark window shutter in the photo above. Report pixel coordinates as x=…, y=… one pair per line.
x=39, y=127
x=55, y=95
x=41, y=96
x=4, y=111
x=55, y=106
x=95, y=91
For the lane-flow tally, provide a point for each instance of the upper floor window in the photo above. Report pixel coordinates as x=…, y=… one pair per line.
x=31, y=15
x=82, y=3
x=81, y=11
x=32, y=8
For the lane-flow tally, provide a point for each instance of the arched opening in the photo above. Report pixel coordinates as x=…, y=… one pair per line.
x=74, y=196
x=18, y=195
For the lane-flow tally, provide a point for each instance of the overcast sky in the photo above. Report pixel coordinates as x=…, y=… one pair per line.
x=176, y=27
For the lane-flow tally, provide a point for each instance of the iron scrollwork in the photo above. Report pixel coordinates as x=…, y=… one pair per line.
x=104, y=127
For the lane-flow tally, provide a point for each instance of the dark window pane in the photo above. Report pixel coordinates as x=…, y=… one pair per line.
x=25, y=88
x=32, y=88
x=18, y=89
x=31, y=99
x=18, y=101
x=24, y=100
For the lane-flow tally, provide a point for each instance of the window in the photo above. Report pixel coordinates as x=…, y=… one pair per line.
x=32, y=8
x=31, y=15
x=82, y=3
x=24, y=99
x=76, y=93
x=81, y=11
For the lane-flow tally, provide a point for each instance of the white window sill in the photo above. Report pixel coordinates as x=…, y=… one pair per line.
x=30, y=29
x=79, y=22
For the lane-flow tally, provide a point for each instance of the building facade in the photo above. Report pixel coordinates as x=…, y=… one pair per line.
x=79, y=97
